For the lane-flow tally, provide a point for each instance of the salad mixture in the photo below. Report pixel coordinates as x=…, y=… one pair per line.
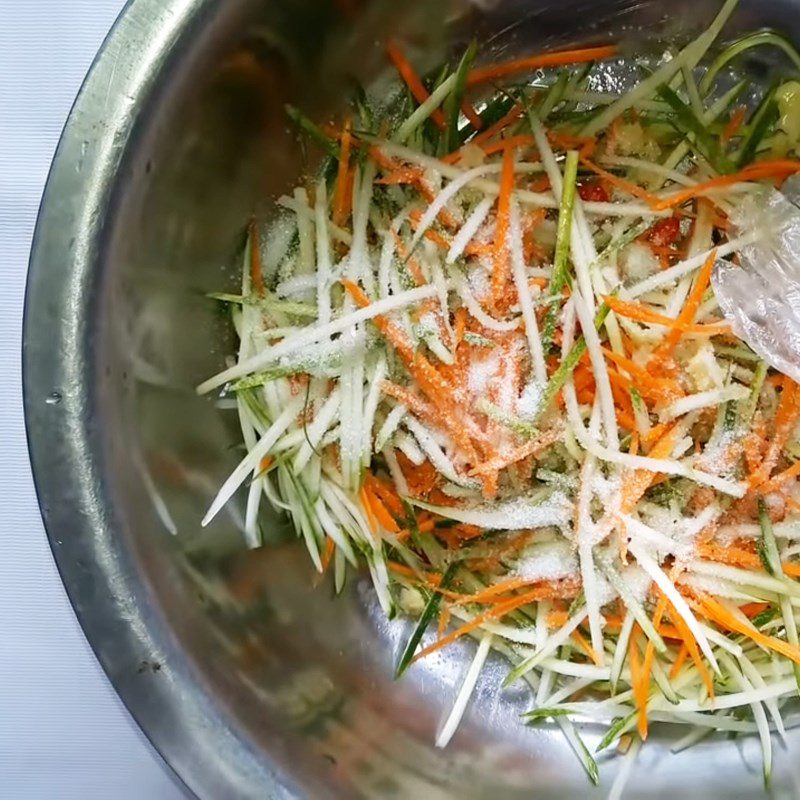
x=481, y=355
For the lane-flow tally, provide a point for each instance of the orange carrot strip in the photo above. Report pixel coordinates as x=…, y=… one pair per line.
x=330, y=546
x=532, y=448
x=514, y=113
x=641, y=313
x=786, y=416
x=778, y=480
x=379, y=510
x=751, y=610
x=367, y=506
x=444, y=620
x=387, y=494
x=485, y=595
x=734, y=124
x=637, y=483
x=341, y=199
x=432, y=579
x=500, y=269
x=413, y=81
x=720, y=615
x=647, y=666
x=587, y=648
x=472, y=115
x=758, y=171
x=691, y=646
x=731, y=555
x=683, y=654
x=791, y=569
x=523, y=140
x=266, y=463
x=541, y=61
x=693, y=301
x=620, y=183
x=256, y=274
x=498, y=612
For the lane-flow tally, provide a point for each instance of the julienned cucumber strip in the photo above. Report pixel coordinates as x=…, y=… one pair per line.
x=768, y=38
x=563, y=239
x=452, y=106
x=428, y=614
x=561, y=375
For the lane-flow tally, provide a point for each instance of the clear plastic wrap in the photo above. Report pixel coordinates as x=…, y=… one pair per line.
x=761, y=296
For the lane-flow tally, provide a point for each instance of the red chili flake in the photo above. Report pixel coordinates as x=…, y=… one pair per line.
x=665, y=232
x=594, y=192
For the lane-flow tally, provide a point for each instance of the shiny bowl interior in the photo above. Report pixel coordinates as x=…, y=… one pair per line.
x=243, y=671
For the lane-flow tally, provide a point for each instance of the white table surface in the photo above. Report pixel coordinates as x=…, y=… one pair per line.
x=64, y=734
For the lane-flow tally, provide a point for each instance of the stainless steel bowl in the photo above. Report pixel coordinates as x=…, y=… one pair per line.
x=245, y=674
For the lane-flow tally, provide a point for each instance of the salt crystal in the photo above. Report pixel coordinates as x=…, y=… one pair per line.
x=551, y=561
x=480, y=283
x=638, y=262
x=520, y=513
x=481, y=372
x=638, y=581
x=530, y=400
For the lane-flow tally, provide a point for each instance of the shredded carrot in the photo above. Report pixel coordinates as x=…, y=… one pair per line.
x=720, y=615
x=791, y=569
x=642, y=313
x=688, y=639
x=400, y=175
x=342, y=197
x=434, y=415
x=500, y=269
x=523, y=140
x=432, y=579
x=266, y=463
x=472, y=115
x=491, y=593
x=421, y=479
x=256, y=273
x=585, y=145
x=647, y=666
x=378, y=510
x=541, y=61
x=413, y=81
x=532, y=448
x=512, y=115
x=620, y=183
x=386, y=493
x=786, y=416
x=637, y=483
x=498, y=612
x=486, y=136
x=370, y=514
x=755, y=172
x=692, y=304
x=781, y=478
x=734, y=124
x=587, y=648
x=444, y=620
x=729, y=554
x=330, y=546
x=751, y=610
x=656, y=388
x=680, y=660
